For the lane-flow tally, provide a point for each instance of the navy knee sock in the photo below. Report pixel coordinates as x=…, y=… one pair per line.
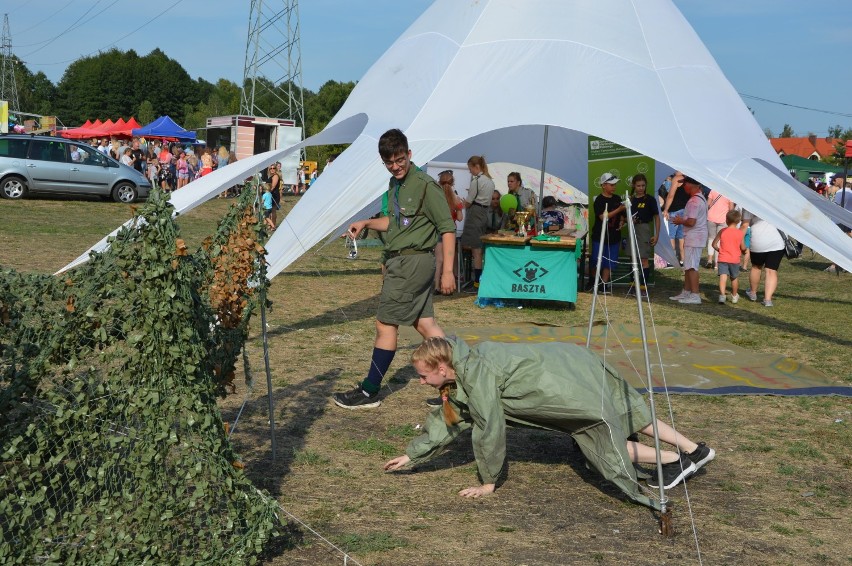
x=646, y=272
x=379, y=365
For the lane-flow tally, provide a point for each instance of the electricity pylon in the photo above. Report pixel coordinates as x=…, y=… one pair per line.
x=8, y=85
x=272, y=75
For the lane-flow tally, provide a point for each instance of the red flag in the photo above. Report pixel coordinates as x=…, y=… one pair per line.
x=848, y=148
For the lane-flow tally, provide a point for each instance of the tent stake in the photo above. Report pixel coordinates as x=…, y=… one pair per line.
x=666, y=526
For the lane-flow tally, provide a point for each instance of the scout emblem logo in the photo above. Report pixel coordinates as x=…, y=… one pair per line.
x=530, y=272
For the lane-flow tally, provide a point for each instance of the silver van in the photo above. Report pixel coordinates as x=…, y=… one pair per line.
x=43, y=164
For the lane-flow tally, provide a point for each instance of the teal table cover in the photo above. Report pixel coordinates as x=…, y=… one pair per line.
x=529, y=272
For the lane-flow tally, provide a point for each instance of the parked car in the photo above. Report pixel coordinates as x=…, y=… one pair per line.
x=44, y=164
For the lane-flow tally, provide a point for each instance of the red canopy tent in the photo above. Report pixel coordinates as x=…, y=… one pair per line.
x=98, y=129
x=116, y=129
x=124, y=129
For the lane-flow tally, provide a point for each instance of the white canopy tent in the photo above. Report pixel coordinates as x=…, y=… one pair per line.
x=486, y=77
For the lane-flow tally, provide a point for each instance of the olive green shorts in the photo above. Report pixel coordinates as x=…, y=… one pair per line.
x=407, y=289
x=643, y=239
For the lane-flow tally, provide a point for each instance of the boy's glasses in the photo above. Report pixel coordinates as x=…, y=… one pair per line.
x=400, y=162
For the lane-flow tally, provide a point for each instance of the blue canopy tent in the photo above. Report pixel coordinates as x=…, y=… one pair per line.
x=164, y=127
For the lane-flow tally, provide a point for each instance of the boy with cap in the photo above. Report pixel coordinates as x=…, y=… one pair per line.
x=418, y=215
x=694, y=222
x=614, y=218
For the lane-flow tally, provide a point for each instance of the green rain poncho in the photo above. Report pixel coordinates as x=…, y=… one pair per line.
x=555, y=386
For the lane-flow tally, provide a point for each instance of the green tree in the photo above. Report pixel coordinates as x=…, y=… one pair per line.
x=146, y=113
x=35, y=91
x=835, y=131
x=320, y=108
x=114, y=84
x=787, y=132
x=840, y=136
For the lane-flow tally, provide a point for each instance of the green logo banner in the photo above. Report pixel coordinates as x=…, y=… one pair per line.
x=515, y=272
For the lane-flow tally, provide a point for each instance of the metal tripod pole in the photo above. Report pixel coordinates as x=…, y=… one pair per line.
x=634, y=261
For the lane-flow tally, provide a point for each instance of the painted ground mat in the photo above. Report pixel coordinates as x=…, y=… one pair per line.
x=691, y=364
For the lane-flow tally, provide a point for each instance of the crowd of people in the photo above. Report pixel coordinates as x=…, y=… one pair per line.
x=173, y=165
x=169, y=165
x=705, y=228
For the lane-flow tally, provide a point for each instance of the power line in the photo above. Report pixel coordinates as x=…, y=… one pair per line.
x=761, y=99
x=125, y=36
x=77, y=23
x=44, y=20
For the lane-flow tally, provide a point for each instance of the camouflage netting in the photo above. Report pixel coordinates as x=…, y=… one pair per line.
x=112, y=447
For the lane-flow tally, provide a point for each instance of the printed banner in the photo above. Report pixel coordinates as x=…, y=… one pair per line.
x=524, y=272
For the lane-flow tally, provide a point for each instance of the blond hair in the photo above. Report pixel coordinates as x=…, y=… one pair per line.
x=479, y=161
x=432, y=352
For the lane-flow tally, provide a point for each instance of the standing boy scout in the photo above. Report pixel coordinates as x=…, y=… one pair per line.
x=418, y=215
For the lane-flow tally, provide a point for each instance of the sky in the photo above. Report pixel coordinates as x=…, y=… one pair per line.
x=778, y=54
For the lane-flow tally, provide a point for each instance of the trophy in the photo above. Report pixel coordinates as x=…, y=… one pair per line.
x=521, y=219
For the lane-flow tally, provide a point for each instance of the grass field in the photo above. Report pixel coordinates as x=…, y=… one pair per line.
x=778, y=493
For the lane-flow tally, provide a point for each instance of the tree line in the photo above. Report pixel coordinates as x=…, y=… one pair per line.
x=119, y=83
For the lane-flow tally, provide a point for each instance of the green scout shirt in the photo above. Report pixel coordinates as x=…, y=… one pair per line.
x=410, y=228
x=554, y=386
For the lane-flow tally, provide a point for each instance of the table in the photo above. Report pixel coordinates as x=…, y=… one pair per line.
x=525, y=268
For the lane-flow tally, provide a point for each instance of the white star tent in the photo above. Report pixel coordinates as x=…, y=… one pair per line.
x=486, y=76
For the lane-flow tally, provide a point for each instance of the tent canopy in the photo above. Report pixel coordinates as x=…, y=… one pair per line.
x=164, y=127
x=602, y=68
x=443, y=82
x=803, y=167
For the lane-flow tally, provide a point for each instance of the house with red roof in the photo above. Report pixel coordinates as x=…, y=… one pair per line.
x=810, y=147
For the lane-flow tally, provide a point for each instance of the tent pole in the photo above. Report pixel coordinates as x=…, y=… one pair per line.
x=264, y=285
x=266, y=365
x=665, y=529
x=597, y=276
x=541, y=181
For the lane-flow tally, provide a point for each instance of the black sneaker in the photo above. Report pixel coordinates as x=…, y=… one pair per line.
x=356, y=399
x=701, y=455
x=673, y=473
x=434, y=402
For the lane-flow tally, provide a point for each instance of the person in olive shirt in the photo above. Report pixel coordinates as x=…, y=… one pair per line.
x=614, y=220
x=554, y=386
x=418, y=215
